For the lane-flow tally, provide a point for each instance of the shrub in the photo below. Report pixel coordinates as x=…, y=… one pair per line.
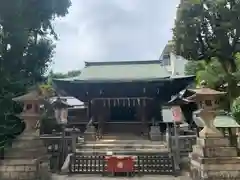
x=235, y=110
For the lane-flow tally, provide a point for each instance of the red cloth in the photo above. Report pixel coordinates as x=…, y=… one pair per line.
x=119, y=164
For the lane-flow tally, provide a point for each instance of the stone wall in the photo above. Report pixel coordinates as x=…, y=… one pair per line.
x=24, y=170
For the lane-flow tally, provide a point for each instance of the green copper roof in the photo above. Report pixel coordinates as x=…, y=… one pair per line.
x=220, y=121
x=124, y=70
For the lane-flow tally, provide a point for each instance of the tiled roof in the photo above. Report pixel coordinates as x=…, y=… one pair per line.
x=123, y=70
x=69, y=100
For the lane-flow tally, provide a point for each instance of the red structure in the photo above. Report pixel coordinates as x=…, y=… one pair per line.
x=116, y=164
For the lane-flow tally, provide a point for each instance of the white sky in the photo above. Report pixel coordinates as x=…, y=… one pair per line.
x=112, y=30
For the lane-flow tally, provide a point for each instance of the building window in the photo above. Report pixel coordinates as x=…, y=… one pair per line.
x=166, y=60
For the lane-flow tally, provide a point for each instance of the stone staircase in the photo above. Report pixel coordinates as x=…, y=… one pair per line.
x=150, y=157
x=121, y=145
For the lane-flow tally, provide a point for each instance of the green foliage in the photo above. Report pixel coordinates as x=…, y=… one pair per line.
x=192, y=67
x=236, y=109
x=210, y=31
x=211, y=72
x=26, y=50
x=69, y=74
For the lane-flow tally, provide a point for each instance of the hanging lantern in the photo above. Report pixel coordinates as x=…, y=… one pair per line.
x=60, y=110
x=144, y=90
x=134, y=102
x=138, y=101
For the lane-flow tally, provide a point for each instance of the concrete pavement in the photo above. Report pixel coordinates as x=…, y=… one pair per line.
x=98, y=177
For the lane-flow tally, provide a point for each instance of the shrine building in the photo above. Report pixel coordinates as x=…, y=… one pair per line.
x=125, y=96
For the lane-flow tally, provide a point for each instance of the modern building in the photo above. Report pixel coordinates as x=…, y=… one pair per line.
x=174, y=64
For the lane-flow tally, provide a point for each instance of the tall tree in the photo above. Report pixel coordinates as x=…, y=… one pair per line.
x=210, y=30
x=192, y=67
x=26, y=47
x=69, y=74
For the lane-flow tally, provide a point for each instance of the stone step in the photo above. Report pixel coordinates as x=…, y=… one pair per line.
x=119, y=151
x=113, y=145
x=122, y=143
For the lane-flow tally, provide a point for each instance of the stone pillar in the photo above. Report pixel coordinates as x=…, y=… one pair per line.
x=155, y=133
x=75, y=134
x=27, y=159
x=212, y=158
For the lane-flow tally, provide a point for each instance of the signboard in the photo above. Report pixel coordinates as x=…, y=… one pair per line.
x=177, y=114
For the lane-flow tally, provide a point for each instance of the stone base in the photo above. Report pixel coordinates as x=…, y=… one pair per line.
x=22, y=169
x=90, y=134
x=213, y=152
x=25, y=160
x=28, y=146
x=155, y=134
x=214, y=159
x=215, y=172
x=90, y=137
x=213, y=142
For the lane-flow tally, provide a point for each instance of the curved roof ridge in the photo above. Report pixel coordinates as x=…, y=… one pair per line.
x=99, y=63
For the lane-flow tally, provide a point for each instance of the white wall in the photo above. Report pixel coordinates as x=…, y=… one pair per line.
x=176, y=66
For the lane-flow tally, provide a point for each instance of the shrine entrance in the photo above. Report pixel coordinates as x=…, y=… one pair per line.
x=122, y=116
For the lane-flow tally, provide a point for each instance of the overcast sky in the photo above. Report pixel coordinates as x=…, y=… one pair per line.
x=113, y=30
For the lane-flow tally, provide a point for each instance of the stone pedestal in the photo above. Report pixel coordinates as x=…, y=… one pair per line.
x=155, y=134
x=26, y=160
x=90, y=133
x=214, y=159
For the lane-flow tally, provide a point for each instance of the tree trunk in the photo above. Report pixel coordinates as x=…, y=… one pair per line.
x=232, y=88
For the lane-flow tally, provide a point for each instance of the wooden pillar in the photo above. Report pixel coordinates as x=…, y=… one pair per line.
x=142, y=114
x=89, y=110
x=101, y=117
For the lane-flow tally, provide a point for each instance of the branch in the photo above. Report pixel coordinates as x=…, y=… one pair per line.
x=202, y=45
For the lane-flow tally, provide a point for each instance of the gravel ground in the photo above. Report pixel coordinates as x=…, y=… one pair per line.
x=94, y=177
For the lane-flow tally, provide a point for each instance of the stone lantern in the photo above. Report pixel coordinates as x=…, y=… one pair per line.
x=212, y=157
x=31, y=110
x=26, y=158
x=208, y=104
